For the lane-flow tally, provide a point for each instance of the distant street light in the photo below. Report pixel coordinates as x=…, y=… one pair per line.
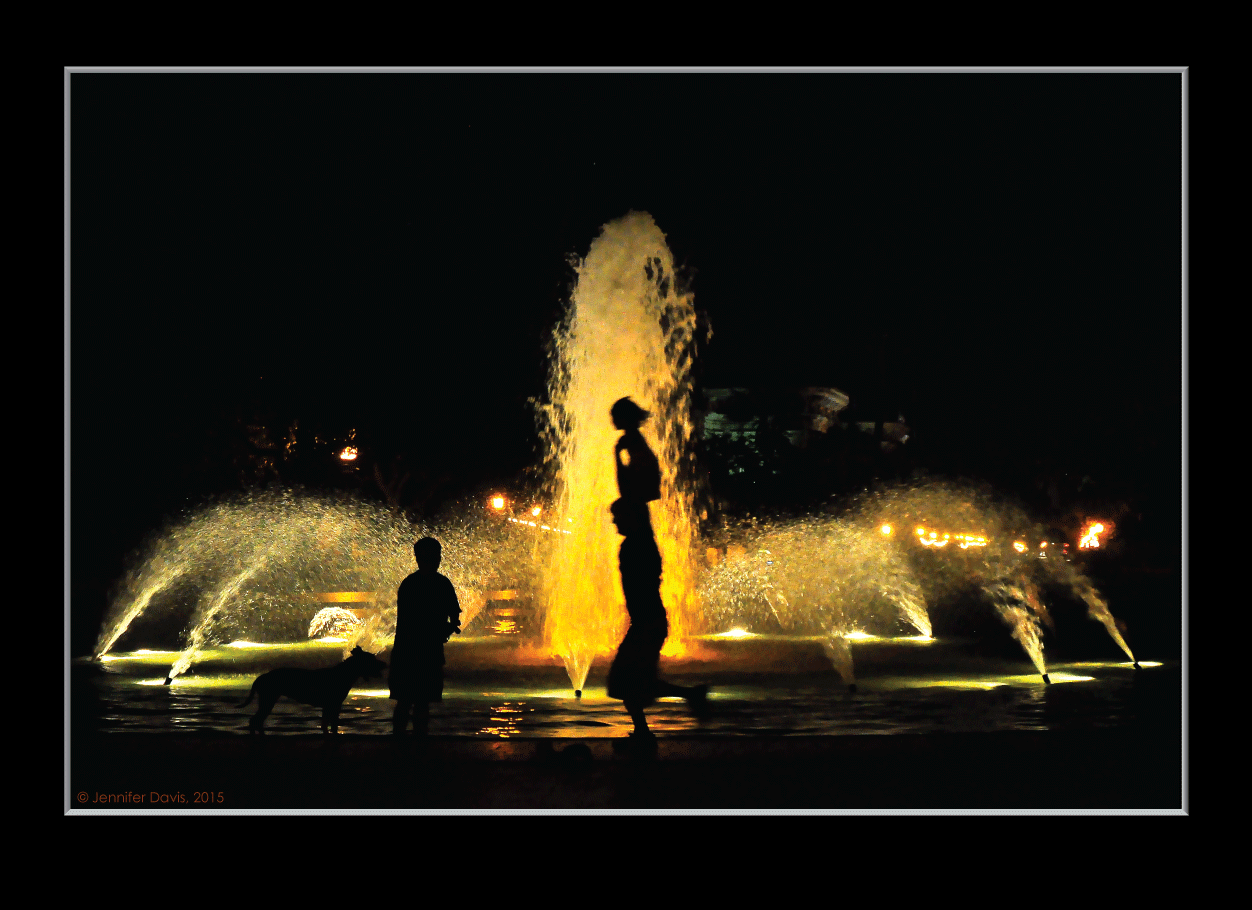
x=1091, y=536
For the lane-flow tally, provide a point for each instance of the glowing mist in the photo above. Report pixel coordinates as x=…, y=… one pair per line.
x=257, y=566
x=627, y=331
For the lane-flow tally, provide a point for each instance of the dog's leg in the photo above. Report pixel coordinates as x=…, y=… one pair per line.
x=265, y=704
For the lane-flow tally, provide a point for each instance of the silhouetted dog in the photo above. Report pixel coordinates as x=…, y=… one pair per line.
x=325, y=688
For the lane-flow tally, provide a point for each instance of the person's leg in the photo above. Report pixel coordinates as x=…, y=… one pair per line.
x=400, y=718
x=697, y=697
x=670, y=690
x=635, y=709
x=421, y=717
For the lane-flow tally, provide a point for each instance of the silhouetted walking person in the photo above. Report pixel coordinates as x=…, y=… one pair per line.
x=633, y=674
x=427, y=614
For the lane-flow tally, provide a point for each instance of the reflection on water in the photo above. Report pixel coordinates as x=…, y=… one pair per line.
x=900, y=690
x=506, y=622
x=505, y=720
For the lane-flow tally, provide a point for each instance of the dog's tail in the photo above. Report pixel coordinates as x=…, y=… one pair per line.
x=251, y=692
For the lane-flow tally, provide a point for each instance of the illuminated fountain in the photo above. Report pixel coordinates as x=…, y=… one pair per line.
x=283, y=567
x=287, y=566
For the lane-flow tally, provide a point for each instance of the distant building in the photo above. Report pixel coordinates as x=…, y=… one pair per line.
x=739, y=414
x=727, y=414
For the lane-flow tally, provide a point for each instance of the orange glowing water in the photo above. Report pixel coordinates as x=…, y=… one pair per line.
x=627, y=331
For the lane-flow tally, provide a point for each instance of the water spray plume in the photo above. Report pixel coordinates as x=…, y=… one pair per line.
x=257, y=566
x=628, y=331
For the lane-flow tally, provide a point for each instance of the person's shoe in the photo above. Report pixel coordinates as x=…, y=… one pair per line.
x=636, y=743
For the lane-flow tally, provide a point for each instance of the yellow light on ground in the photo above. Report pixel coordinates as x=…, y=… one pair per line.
x=348, y=454
x=497, y=502
x=535, y=511
x=140, y=654
x=1105, y=664
x=960, y=683
x=1019, y=546
x=886, y=530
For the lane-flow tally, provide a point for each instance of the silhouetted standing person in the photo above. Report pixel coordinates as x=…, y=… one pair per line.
x=427, y=614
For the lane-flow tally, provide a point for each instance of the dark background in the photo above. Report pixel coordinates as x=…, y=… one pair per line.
x=994, y=256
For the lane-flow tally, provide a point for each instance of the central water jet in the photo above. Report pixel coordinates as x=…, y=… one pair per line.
x=628, y=331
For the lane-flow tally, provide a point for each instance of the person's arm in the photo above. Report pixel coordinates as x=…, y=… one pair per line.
x=454, y=611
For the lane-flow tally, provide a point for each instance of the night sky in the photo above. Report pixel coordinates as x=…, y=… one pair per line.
x=995, y=256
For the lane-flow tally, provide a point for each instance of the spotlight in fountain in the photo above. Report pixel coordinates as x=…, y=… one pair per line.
x=1046, y=679
x=578, y=693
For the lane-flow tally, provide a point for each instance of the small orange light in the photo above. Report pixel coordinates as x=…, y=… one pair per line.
x=1090, y=538
x=497, y=502
x=535, y=511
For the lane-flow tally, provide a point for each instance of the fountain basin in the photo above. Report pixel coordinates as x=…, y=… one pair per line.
x=764, y=685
